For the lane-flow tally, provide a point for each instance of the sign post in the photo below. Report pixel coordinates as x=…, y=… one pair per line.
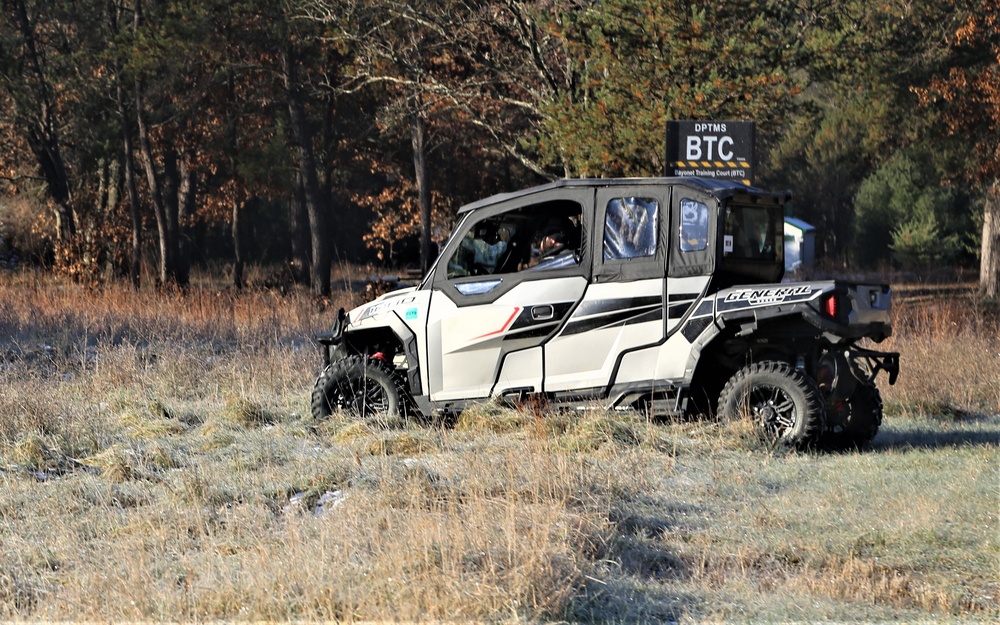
x=711, y=149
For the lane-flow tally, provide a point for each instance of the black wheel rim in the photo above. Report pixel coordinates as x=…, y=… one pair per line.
x=362, y=396
x=773, y=409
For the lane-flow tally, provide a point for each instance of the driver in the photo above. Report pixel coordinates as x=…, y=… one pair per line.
x=486, y=254
x=483, y=255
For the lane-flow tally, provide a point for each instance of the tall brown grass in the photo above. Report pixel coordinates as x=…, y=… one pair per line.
x=950, y=341
x=158, y=462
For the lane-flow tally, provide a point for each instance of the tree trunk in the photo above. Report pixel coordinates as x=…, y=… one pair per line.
x=328, y=171
x=419, y=144
x=319, y=237
x=133, y=194
x=162, y=191
x=238, y=280
x=127, y=144
x=159, y=209
x=187, y=193
x=989, y=268
x=238, y=203
x=101, y=253
x=300, y=235
x=171, y=182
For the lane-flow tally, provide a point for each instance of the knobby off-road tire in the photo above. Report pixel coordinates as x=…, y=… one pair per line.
x=785, y=404
x=360, y=386
x=855, y=421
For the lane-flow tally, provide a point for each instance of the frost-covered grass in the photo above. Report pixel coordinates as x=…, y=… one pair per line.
x=157, y=462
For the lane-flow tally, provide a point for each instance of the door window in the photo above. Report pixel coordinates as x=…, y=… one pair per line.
x=694, y=225
x=531, y=238
x=630, y=225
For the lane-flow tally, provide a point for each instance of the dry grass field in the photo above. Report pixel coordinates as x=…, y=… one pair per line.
x=158, y=462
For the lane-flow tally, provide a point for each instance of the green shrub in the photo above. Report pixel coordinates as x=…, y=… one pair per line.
x=918, y=243
x=905, y=213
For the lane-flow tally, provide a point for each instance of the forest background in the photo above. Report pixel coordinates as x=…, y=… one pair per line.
x=140, y=138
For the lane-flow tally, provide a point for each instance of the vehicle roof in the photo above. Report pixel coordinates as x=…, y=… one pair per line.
x=719, y=188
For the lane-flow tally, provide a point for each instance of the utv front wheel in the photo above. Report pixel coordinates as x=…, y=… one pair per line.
x=784, y=403
x=360, y=386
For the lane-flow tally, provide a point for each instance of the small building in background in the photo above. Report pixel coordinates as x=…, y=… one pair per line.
x=800, y=244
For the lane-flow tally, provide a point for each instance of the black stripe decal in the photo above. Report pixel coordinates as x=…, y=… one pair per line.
x=705, y=308
x=534, y=331
x=682, y=297
x=625, y=317
x=679, y=310
x=526, y=326
x=653, y=315
x=596, y=307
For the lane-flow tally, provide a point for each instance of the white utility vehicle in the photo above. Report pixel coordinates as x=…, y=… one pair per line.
x=660, y=294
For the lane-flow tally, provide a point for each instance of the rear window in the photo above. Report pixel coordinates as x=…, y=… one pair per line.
x=753, y=233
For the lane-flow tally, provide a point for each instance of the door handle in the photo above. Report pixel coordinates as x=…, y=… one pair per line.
x=543, y=313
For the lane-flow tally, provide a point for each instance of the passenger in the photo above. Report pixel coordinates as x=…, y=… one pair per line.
x=558, y=245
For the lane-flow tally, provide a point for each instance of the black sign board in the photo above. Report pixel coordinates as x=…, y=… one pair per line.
x=711, y=149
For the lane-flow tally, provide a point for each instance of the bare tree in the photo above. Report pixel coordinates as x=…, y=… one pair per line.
x=989, y=268
x=306, y=159
x=486, y=65
x=35, y=99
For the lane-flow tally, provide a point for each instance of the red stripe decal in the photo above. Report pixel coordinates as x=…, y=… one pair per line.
x=503, y=329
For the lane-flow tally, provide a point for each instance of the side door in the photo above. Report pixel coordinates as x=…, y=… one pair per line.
x=624, y=308
x=694, y=243
x=498, y=293
x=695, y=228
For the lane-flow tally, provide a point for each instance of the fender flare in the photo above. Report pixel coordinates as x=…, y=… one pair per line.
x=348, y=339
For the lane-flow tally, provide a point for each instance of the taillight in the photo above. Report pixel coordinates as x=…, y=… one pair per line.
x=829, y=305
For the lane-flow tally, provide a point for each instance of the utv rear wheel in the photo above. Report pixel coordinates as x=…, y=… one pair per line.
x=360, y=386
x=784, y=403
x=855, y=421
